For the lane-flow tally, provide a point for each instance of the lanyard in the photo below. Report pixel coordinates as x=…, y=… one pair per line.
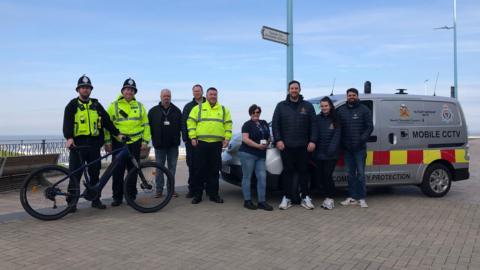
x=260, y=128
x=166, y=113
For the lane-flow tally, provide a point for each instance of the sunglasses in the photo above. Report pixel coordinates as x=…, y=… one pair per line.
x=256, y=112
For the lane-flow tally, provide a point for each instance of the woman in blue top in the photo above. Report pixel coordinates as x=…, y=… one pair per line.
x=252, y=153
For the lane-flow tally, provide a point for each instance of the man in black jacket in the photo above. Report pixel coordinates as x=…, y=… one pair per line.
x=83, y=123
x=165, y=121
x=294, y=131
x=198, y=98
x=357, y=125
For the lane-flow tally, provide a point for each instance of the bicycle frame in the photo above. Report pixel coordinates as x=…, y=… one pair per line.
x=121, y=154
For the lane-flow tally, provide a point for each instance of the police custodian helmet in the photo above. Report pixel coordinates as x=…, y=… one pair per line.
x=84, y=81
x=130, y=83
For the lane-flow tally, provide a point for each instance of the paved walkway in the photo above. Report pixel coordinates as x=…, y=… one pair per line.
x=402, y=229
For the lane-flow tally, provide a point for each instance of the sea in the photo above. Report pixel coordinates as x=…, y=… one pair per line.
x=13, y=139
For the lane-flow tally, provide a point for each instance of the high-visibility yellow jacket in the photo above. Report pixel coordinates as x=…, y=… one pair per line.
x=130, y=118
x=209, y=124
x=87, y=120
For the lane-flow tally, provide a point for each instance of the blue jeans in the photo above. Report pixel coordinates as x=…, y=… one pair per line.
x=165, y=154
x=249, y=164
x=355, y=162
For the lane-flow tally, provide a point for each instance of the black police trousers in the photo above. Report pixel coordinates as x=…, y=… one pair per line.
x=80, y=157
x=190, y=160
x=119, y=172
x=207, y=162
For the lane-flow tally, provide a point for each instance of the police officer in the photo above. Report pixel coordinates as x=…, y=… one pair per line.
x=83, y=124
x=209, y=128
x=197, y=92
x=130, y=117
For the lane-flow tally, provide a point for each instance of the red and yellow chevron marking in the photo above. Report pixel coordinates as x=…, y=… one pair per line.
x=407, y=157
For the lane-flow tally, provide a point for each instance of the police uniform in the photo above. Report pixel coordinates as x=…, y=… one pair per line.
x=132, y=121
x=84, y=122
x=210, y=125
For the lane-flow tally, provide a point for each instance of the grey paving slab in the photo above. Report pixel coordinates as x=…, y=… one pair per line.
x=402, y=229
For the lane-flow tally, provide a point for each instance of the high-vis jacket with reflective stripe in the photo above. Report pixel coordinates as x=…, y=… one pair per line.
x=130, y=118
x=209, y=124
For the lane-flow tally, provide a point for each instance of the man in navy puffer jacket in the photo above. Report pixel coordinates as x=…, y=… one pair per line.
x=294, y=131
x=357, y=125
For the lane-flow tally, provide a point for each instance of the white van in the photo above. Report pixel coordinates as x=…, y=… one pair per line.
x=417, y=140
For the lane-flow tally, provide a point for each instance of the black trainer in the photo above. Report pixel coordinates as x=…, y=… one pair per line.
x=116, y=203
x=249, y=205
x=196, y=200
x=216, y=199
x=189, y=195
x=98, y=204
x=265, y=206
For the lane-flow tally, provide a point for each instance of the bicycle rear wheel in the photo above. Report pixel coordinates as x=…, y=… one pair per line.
x=44, y=193
x=141, y=188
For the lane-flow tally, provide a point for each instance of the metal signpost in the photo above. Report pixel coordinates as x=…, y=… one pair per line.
x=285, y=38
x=275, y=35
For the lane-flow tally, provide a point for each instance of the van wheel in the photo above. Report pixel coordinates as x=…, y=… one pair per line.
x=437, y=180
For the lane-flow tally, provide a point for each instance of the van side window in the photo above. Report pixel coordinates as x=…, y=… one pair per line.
x=368, y=103
x=316, y=106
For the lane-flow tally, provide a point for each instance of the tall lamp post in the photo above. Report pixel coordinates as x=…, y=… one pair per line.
x=290, y=41
x=285, y=38
x=455, y=48
x=454, y=27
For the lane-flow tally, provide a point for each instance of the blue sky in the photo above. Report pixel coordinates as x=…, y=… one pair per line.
x=47, y=45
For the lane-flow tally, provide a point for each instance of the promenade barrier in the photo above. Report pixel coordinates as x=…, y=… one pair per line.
x=14, y=169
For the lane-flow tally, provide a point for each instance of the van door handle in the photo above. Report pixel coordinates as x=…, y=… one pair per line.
x=392, y=138
x=372, y=138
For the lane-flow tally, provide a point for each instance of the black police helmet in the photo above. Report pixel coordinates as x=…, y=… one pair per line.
x=84, y=81
x=130, y=83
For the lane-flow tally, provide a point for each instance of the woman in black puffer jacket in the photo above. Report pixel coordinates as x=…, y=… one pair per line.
x=327, y=149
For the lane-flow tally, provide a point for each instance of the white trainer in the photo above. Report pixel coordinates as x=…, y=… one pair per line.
x=328, y=204
x=349, y=201
x=363, y=204
x=307, y=203
x=285, y=204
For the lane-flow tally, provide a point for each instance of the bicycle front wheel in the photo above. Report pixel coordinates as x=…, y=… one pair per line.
x=48, y=193
x=144, y=189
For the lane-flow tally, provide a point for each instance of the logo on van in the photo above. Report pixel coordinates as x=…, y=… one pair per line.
x=404, y=112
x=446, y=114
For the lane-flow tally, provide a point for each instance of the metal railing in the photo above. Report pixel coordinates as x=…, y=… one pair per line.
x=30, y=148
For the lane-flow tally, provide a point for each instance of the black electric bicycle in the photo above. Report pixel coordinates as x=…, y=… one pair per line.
x=46, y=195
